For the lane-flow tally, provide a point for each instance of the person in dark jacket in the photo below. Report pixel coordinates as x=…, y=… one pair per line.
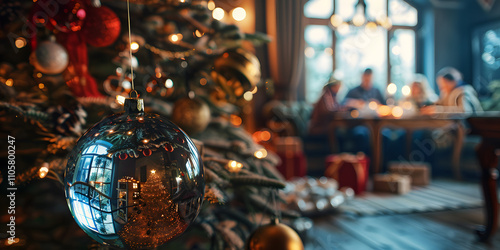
x=364, y=93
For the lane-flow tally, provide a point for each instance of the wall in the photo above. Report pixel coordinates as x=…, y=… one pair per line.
x=453, y=30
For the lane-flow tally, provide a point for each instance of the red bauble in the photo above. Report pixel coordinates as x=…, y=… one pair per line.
x=68, y=16
x=102, y=26
x=147, y=152
x=123, y=156
x=169, y=147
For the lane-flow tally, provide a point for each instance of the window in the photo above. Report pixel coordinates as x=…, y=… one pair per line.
x=92, y=209
x=348, y=50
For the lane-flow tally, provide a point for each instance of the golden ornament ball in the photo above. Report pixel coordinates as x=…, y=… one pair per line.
x=274, y=236
x=239, y=64
x=192, y=115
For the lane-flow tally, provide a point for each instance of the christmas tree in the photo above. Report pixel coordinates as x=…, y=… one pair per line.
x=155, y=218
x=67, y=66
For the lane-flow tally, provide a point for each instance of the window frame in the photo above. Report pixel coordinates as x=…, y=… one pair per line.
x=390, y=34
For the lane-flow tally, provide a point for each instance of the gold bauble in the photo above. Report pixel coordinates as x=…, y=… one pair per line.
x=238, y=65
x=274, y=236
x=192, y=115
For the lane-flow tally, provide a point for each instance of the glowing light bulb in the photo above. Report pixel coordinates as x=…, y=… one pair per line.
x=234, y=166
x=9, y=82
x=211, y=5
x=384, y=110
x=153, y=171
x=406, y=90
x=218, y=13
x=169, y=83
x=175, y=37
x=355, y=113
x=134, y=46
x=397, y=112
x=198, y=33
x=371, y=26
x=239, y=14
x=43, y=171
x=358, y=20
x=309, y=52
x=20, y=42
x=372, y=105
x=248, y=96
x=41, y=85
x=336, y=20
x=392, y=88
x=260, y=154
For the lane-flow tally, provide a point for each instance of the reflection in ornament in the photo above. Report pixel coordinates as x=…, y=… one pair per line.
x=122, y=181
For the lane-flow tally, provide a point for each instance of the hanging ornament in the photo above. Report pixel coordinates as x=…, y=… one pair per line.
x=192, y=115
x=69, y=16
x=49, y=58
x=236, y=71
x=102, y=28
x=125, y=188
x=274, y=236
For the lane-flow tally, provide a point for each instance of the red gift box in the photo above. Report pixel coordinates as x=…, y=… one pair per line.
x=349, y=170
x=293, y=161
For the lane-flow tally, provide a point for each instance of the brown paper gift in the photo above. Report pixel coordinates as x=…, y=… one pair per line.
x=392, y=183
x=418, y=171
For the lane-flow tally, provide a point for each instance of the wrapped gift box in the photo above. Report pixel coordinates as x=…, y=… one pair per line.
x=392, y=183
x=349, y=170
x=418, y=171
x=293, y=160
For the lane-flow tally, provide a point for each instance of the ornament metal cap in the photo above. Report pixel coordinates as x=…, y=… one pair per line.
x=133, y=104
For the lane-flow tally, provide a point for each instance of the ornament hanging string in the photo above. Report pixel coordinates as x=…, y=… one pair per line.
x=130, y=50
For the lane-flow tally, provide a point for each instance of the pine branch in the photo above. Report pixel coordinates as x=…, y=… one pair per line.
x=256, y=180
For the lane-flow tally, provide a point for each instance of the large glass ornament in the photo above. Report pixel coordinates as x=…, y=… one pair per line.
x=134, y=180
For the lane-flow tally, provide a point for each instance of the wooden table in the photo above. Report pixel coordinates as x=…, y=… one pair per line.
x=488, y=127
x=376, y=124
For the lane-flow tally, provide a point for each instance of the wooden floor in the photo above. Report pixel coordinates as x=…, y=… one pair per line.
x=432, y=230
x=437, y=230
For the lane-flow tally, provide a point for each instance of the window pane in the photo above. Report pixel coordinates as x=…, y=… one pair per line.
x=318, y=8
x=402, y=56
x=345, y=8
x=319, y=61
x=401, y=13
x=357, y=50
x=376, y=8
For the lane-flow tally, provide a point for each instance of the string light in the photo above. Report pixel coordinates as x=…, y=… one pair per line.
x=248, y=96
x=236, y=120
x=261, y=153
x=392, y=88
x=41, y=85
x=134, y=46
x=336, y=20
x=218, y=13
x=397, y=112
x=20, y=42
x=211, y=5
x=198, y=33
x=355, y=113
x=372, y=105
x=169, y=83
x=384, y=110
x=234, y=166
x=406, y=90
x=9, y=82
x=239, y=14
x=43, y=171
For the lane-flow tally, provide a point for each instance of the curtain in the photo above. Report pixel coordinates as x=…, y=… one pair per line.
x=285, y=24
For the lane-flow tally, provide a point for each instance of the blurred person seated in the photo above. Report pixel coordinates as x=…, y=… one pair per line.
x=456, y=96
x=325, y=108
x=421, y=92
x=364, y=93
